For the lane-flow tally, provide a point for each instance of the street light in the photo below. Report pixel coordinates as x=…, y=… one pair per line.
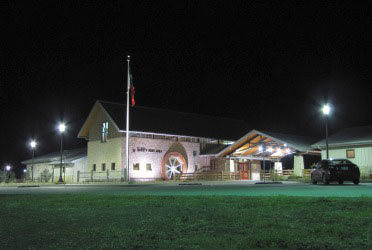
x=8, y=168
x=326, y=110
x=61, y=128
x=32, y=145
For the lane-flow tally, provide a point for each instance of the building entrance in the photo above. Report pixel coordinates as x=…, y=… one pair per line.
x=245, y=170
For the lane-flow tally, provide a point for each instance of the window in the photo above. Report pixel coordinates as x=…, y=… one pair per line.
x=148, y=167
x=196, y=168
x=350, y=153
x=104, y=131
x=136, y=166
x=94, y=167
x=103, y=166
x=113, y=166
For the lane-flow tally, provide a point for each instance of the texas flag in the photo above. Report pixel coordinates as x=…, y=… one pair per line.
x=132, y=90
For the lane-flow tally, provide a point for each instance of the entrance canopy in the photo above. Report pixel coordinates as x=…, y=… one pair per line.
x=271, y=146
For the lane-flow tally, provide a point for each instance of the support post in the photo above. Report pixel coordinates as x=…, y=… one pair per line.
x=32, y=167
x=78, y=176
x=60, y=180
x=91, y=175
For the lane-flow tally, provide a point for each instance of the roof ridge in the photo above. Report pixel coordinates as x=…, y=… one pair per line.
x=176, y=111
x=310, y=137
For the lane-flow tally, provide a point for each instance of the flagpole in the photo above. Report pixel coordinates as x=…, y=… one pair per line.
x=127, y=120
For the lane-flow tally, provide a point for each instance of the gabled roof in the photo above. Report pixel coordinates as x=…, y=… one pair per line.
x=298, y=142
x=168, y=122
x=348, y=137
x=55, y=157
x=249, y=143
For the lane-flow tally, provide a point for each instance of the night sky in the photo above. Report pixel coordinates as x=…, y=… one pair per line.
x=271, y=63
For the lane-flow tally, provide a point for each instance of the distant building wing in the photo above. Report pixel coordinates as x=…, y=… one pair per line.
x=347, y=137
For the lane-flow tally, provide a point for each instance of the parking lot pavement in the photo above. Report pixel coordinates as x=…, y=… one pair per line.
x=237, y=188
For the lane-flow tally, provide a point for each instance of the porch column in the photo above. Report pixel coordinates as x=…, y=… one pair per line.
x=298, y=165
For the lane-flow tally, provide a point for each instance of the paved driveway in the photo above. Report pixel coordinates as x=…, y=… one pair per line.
x=240, y=188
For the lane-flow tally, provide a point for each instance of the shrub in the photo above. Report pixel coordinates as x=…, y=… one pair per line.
x=2, y=176
x=45, y=175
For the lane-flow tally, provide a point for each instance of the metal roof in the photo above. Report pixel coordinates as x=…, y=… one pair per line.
x=169, y=122
x=71, y=155
x=249, y=144
x=298, y=142
x=347, y=137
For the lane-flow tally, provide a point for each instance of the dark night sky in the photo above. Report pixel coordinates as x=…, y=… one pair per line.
x=271, y=63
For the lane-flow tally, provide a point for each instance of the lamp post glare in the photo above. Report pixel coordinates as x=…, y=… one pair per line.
x=326, y=110
x=7, y=168
x=33, y=146
x=61, y=128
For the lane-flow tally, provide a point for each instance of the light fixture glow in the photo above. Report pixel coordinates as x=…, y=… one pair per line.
x=260, y=148
x=7, y=168
x=33, y=144
x=287, y=150
x=24, y=170
x=326, y=109
x=61, y=127
x=270, y=150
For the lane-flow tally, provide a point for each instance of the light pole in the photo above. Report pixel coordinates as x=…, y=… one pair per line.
x=32, y=145
x=326, y=110
x=61, y=128
x=7, y=168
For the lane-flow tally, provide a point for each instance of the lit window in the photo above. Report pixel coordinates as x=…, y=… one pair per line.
x=350, y=153
x=103, y=166
x=94, y=167
x=104, y=131
x=113, y=166
x=148, y=167
x=136, y=167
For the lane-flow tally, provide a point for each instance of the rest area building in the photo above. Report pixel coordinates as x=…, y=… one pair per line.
x=166, y=144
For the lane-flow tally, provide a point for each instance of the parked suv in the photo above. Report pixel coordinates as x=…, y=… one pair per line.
x=335, y=170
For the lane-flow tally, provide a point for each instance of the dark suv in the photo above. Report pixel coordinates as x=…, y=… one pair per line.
x=335, y=170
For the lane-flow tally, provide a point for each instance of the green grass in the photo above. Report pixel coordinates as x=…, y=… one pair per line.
x=97, y=221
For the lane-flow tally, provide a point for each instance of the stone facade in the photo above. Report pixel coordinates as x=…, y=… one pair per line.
x=145, y=151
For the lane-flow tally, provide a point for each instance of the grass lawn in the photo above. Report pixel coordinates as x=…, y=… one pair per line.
x=96, y=221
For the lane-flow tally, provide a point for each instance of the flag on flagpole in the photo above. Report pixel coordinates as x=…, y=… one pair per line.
x=132, y=90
